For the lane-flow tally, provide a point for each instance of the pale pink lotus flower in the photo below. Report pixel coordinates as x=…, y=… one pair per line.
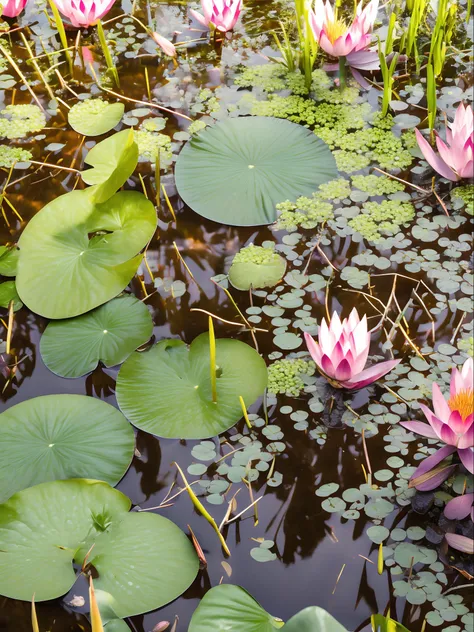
x=166, y=46
x=223, y=14
x=342, y=350
x=12, y=8
x=84, y=13
x=456, y=156
x=338, y=39
x=452, y=423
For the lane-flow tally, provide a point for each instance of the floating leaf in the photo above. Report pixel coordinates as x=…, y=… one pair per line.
x=143, y=560
x=8, y=261
x=167, y=390
x=113, y=160
x=94, y=117
x=75, y=256
x=313, y=619
x=62, y=436
x=8, y=293
x=236, y=171
x=256, y=267
x=109, y=334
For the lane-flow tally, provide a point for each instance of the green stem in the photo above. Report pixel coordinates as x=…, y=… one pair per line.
x=107, y=54
x=342, y=73
x=212, y=357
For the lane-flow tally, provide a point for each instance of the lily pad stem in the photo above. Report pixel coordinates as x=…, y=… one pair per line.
x=342, y=72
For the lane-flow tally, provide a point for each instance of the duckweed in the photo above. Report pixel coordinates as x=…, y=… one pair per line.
x=381, y=218
x=284, y=376
x=305, y=212
x=20, y=120
x=10, y=155
x=377, y=185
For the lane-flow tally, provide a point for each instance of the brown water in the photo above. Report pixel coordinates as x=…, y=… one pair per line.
x=312, y=546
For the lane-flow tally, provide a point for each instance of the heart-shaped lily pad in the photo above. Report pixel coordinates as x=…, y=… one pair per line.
x=109, y=334
x=94, y=117
x=167, y=390
x=143, y=560
x=231, y=608
x=236, y=171
x=8, y=293
x=256, y=267
x=62, y=436
x=113, y=160
x=75, y=255
x=313, y=619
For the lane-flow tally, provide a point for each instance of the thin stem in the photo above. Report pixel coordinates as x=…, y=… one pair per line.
x=342, y=72
x=212, y=357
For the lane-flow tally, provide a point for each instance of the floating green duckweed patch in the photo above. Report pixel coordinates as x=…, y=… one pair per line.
x=465, y=195
x=17, y=121
x=256, y=267
x=284, y=376
x=11, y=155
x=94, y=117
x=305, y=212
x=377, y=185
x=151, y=143
x=385, y=217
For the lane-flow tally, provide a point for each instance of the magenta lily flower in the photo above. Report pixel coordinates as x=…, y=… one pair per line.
x=166, y=46
x=342, y=350
x=338, y=39
x=456, y=157
x=84, y=13
x=452, y=423
x=223, y=14
x=12, y=8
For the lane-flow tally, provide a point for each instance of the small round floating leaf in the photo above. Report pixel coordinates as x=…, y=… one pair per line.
x=94, y=117
x=8, y=261
x=109, y=334
x=256, y=267
x=8, y=293
x=143, y=560
x=167, y=390
x=231, y=608
x=75, y=256
x=313, y=619
x=236, y=171
x=113, y=160
x=62, y=436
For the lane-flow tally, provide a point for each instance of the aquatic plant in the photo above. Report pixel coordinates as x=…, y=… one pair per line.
x=219, y=14
x=342, y=350
x=19, y=120
x=284, y=376
x=94, y=117
x=86, y=13
x=10, y=155
x=381, y=218
x=166, y=46
x=452, y=424
x=349, y=43
x=256, y=267
x=456, y=157
x=12, y=8
x=305, y=212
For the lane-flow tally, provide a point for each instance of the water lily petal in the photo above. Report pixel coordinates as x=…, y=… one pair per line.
x=372, y=374
x=420, y=428
x=432, y=461
x=467, y=458
x=435, y=161
x=440, y=405
x=459, y=508
x=460, y=542
x=343, y=371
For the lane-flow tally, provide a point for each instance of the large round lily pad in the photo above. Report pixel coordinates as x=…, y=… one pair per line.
x=62, y=436
x=75, y=255
x=233, y=609
x=167, y=390
x=236, y=171
x=143, y=560
x=256, y=267
x=109, y=334
x=94, y=117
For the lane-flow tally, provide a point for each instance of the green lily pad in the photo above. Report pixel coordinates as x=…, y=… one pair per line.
x=143, y=560
x=62, y=436
x=94, y=117
x=313, y=619
x=8, y=261
x=109, y=334
x=236, y=171
x=167, y=390
x=256, y=267
x=113, y=160
x=9, y=293
x=75, y=256
x=231, y=608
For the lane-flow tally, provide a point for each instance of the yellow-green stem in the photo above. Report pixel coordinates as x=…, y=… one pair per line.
x=212, y=358
x=342, y=72
x=245, y=413
x=62, y=33
x=107, y=54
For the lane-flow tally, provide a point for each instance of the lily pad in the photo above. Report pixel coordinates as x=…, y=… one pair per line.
x=313, y=619
x=109, y=334
x=94, y=117
x=75, y=256
x=62, y=436
x=8, y=293
x=236, y=171
x=256, y=267
x=143, y=560
x=233, y=609
x=167, y=390
x=113, y=160
x=8, y=261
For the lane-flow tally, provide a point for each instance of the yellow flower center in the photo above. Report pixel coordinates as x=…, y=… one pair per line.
x=335, y=29
x=463, y=402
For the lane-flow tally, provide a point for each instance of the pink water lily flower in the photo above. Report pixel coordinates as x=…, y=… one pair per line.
x=452, y=423
x=342, y=350
x=338, y=39
x=166, y=46
x=456, y=156
x=12, y=8
x=84, y=13
x=223, y=14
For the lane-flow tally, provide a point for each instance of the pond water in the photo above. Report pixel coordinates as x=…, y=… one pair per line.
x=417, y=275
